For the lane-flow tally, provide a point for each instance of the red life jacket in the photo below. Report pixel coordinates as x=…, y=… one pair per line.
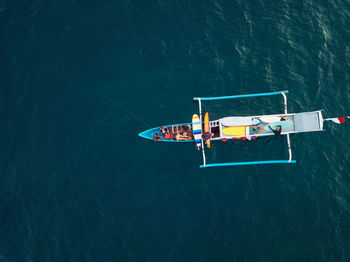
x=167, y=135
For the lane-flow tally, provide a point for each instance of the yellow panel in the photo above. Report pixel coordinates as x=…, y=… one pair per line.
x=234, y=131
x=206, y=122
x=207, y=128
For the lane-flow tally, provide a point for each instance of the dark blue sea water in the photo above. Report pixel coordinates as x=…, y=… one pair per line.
x=80, y=80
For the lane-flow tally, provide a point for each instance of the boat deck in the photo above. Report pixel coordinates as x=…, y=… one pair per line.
x=184, y=130
x=291, y=123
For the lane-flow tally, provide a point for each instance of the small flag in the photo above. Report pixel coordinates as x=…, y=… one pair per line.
x=338, y=120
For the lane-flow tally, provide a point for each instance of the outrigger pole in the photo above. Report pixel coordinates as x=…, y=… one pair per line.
x=283, y=93
x=200, y=120
x=288, y=138
x=240, y=96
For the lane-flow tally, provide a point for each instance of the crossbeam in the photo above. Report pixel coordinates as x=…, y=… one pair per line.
x=288, y=137
x=240, y=96
x=200, y=120
x=250, y=163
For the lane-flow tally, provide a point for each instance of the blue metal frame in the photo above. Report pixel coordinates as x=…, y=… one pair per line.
x=249, y=163
x=239, y=96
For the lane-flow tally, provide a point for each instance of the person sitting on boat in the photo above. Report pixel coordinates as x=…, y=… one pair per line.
x=182, y=137
x=276, y=131
x=164, y=130
x=256, y=130
x=188, y=127
x=207, y=135
x=166, y=135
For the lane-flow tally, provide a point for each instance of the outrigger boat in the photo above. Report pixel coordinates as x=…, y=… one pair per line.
x=239, y=127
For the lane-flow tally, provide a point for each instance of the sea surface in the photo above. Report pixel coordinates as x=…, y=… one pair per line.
x=80, y=80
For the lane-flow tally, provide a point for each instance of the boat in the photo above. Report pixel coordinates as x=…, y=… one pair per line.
x=239, y=127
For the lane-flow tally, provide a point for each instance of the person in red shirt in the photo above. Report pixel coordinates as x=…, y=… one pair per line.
x=165, y=132
x=166, y=135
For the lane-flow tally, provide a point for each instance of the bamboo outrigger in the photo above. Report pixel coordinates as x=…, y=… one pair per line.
x=248, y=127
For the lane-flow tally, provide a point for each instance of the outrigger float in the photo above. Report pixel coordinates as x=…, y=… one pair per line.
x=238, y=127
